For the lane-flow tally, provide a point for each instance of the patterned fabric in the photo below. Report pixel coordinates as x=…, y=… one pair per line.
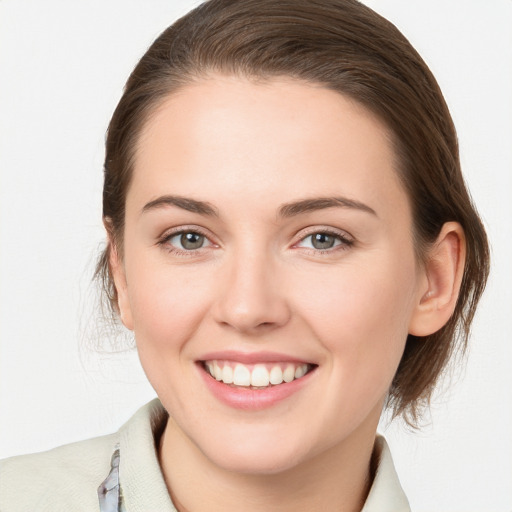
x=109, y=492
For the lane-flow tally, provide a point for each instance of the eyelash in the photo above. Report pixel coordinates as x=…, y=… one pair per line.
x=164, y=241
x=344, y=241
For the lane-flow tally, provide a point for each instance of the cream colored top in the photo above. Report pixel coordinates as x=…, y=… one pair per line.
x=67, y=478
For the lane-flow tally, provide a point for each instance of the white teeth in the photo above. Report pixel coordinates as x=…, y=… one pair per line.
x=289, y=373
x=227, y=374
x=260, y=376
x=217, y=371
x=276, y=375
x=241, y=376
x=301, y=371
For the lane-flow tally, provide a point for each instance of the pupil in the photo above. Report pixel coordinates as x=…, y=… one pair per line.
x=192, y=240
x=323, y=241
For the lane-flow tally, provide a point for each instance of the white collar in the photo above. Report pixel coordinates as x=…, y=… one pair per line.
x=143, y=486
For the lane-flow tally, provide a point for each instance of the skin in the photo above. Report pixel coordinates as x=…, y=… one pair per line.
x=258, y=284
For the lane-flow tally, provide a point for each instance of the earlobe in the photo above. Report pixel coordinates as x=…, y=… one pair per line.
x=443, y=272
x=119, y=276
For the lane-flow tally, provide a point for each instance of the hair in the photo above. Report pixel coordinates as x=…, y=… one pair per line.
x=343, y=46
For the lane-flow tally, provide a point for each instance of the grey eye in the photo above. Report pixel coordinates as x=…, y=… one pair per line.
x=191, y=241
x=323, y=241
x=188, y=241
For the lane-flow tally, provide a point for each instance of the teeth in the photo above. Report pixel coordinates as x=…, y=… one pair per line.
x=217, y=371
x=289, y=373
x=227, y=374
x=241, y=376
x=260, y=375
x=300, y=372
x=276, y=375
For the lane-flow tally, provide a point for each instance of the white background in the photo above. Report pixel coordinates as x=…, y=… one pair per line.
x=62, y=68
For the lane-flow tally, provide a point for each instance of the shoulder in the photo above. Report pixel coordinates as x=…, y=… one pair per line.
x=67, y=478
x=57, y=479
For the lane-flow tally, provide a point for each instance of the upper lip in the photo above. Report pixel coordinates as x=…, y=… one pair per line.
x=252, y=357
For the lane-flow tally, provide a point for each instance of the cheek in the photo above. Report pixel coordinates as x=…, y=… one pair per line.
x=167, y=304
x=361, y=314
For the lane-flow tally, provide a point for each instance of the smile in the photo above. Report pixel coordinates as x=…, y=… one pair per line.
x=260, y=375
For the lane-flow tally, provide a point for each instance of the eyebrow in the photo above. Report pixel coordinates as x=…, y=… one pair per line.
x=286, y=210
x=185, y=203
x=321, y=203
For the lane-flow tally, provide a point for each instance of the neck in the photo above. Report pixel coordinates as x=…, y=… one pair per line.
x=337, y=480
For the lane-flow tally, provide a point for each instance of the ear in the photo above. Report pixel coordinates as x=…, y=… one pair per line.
x=118, y=274
x=443, y=271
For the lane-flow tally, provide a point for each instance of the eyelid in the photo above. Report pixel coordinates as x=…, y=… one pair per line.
x=346, y=238
x=164, y=238
x=185, y=228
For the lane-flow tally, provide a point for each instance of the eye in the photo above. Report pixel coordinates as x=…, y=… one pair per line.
x=187, y=241
x=324, y=240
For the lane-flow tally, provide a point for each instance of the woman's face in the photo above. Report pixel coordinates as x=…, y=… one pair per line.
x=267, y=235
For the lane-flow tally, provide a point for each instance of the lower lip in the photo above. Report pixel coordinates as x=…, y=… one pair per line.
x=252, y=399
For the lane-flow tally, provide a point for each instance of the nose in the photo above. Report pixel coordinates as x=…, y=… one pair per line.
x=252, y=297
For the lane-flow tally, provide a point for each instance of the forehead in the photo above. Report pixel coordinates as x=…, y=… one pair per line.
x=233, y=133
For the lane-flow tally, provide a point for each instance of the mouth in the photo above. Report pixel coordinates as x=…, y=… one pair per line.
x=258, y=376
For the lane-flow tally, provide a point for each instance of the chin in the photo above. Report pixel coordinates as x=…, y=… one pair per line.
x=250, y=455
x=261, y=464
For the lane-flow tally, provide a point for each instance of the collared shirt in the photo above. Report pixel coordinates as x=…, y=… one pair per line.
x=121, y=473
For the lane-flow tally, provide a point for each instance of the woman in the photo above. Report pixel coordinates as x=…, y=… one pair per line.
x=291, y=242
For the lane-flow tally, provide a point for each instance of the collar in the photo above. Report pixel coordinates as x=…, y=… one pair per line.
x=136, y=484
x=386, y=493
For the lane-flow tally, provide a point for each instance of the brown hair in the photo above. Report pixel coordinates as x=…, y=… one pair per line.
x=346, y=47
